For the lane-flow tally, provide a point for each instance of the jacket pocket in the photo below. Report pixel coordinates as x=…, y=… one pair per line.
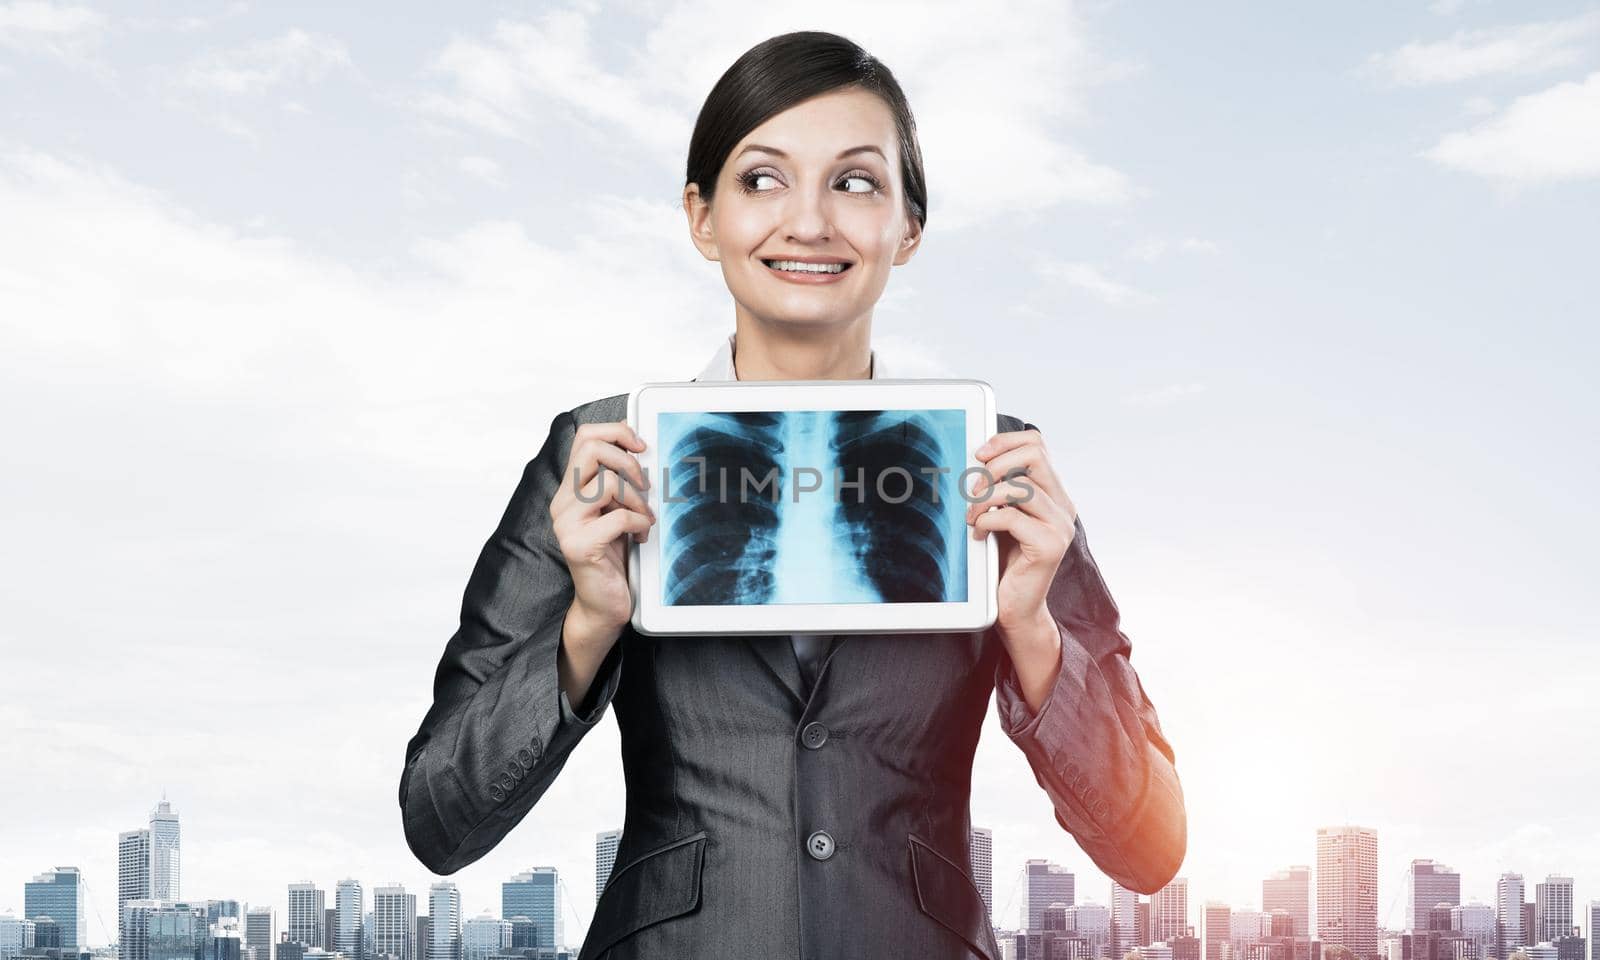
x=655, y=886
x=946, y=893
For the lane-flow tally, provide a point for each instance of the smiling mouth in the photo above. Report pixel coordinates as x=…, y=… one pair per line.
x=796, y=266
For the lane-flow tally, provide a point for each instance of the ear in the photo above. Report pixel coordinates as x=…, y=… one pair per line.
x=698, y=212
x=910, y=241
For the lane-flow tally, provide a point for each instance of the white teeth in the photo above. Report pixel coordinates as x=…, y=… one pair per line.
x=800, y=267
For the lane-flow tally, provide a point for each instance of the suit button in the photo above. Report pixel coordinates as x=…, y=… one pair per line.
x=820, y=845
x=515, y=769
x=496, y=794
x=506, y=783
x=525, y=757
x=1100, y=810
x=814, y=735
x=537, y=747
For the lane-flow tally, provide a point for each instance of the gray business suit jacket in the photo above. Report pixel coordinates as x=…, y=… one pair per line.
x=732, y=766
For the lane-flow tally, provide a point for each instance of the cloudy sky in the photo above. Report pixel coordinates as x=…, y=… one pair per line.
x=1302, y=296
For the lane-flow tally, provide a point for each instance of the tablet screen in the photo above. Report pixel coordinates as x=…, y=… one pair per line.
x=812, y=506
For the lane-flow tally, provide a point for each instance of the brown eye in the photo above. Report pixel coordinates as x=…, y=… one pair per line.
x=867, y=178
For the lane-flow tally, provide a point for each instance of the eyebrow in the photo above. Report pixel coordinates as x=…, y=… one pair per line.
x=864, y=148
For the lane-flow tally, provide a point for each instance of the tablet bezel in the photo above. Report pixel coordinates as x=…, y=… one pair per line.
x=651, y=616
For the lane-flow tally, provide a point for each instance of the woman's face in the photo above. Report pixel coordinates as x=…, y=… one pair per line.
x=798, y=187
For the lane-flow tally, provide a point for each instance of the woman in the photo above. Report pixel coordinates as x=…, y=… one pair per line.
x=785, y=797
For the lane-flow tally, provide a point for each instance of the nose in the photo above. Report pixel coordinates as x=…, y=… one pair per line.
x=807, y=217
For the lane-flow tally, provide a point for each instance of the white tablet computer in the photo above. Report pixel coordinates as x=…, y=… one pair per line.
x=812, y=506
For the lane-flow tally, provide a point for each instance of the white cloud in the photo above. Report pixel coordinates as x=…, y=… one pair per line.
x=1092, y=280
x=1152, y=249
x=482, y=168
x=63, y=31
x=1469, y=54
x=297, y=56
x=981, y=97
x=1547, y=136
x=1163, y=396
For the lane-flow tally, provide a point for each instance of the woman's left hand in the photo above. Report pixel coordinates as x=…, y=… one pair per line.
x=1036, y=516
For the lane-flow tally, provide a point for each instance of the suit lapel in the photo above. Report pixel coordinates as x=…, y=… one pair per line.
x=777, y=652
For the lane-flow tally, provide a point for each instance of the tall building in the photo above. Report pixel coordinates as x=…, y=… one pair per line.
x=1216, y=930
x=605, y=858
x=16, y=935
x=1594, y=930
x=1044, y=883
x=306, y=907
x=394, y=922
x=58, y=894
x=1124, y=920
x=330, y=928
x=1475, y=922
x=350, y=906
x=133, y=875
x=1432, y=884
x=535, y=894
x=980, y=851
x=1552, y=908
x=485, y=936
x=1092, y=922
x=1508, y=895
x=1169, y=911
x=1347, y=888
x=165, y=848
x=166, y=930
x=1289, y=890
x=444, y=921
x=260, y=931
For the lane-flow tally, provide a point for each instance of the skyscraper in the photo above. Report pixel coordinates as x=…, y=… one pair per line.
x=1347, y=888
x=1290, y=891
x=1594, y=930
x=484, y=936
x=1552, y=909
x=58, y=894
x=165, y=930
x=1432, y=883
x=350, y=903
x=535, y=894
x=394, y=922
x=133, y=876
x=260, y=931
x=306, y=906
x=980, y=849
x=605, y=858
x=1124, y=920
x=1044, y=883
x=444, y=921
x=165, y=861
x=1508, y=896
x=1475, y=921
x=1217, y=930
x=1169, y=911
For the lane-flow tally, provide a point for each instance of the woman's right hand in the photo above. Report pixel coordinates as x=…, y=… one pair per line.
x=593, y=529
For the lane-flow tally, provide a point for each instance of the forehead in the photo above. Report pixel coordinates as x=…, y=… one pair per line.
x=816, y=130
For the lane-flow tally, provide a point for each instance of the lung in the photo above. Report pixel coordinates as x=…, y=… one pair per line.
x=900, y=547
x=721, y=547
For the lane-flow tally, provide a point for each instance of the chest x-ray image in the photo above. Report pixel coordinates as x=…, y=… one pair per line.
x=813, y=506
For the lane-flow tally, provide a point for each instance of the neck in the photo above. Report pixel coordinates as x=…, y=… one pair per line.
x=771, y=352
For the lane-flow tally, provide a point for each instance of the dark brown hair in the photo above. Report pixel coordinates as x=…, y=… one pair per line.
x=776, y=74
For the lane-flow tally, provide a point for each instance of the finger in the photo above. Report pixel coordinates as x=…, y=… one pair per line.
x=1039, y=504
x=606, y=491
x=1026, y=529
x=622, y=521
x=611, y=431
x=594, y=453
x=1006, y=440
x=1030, y=459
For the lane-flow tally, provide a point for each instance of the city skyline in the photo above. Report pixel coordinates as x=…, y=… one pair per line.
x=1344, y=881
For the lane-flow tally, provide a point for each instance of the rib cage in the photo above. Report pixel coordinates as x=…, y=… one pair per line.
x=900, y=547
x=721, y=550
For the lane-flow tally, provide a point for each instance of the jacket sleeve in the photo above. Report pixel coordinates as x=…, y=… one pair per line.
x=500, y=727
x=1096, y=745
